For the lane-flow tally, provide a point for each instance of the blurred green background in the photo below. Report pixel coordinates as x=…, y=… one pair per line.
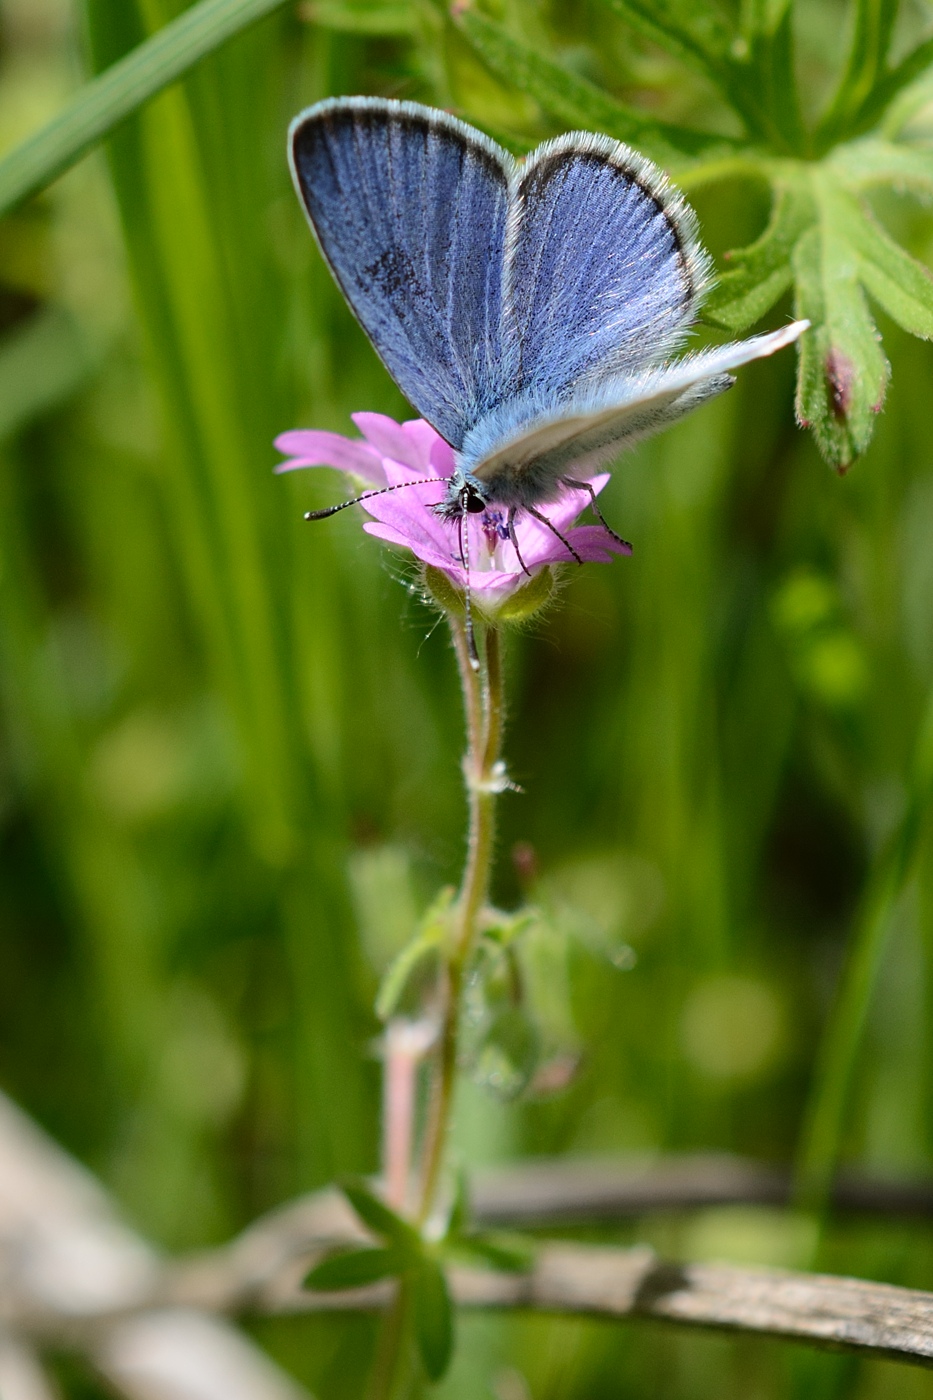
x=230, y=741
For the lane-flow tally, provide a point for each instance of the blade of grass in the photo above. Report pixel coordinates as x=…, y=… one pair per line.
x=119, y=91
x=824, y=1121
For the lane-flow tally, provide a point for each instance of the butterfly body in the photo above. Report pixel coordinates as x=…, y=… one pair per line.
x=527, y=309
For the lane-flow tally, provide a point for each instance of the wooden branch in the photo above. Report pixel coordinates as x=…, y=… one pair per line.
x=262, y=1272
x=160, y=1320
x=72, y=1272
x=568, y=1192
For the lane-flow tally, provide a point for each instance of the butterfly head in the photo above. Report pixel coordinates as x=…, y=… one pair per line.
x=465, y=496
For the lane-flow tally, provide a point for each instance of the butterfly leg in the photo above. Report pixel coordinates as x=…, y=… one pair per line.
x=510, y=526
x=554, y=531
x=585, y=486
x=464, y=532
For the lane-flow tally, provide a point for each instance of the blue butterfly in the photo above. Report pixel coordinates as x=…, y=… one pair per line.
x=527, y=309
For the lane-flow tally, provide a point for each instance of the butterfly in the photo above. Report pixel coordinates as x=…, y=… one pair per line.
x=528, y=309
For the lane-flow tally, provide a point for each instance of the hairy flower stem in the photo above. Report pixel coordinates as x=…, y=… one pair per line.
x=483, y=705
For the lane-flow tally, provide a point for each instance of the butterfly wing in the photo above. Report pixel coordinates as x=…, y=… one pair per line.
x=523, y=459
x=409, y=207
x=604, y=270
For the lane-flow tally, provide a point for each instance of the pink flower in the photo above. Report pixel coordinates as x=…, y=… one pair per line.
x=391, y=453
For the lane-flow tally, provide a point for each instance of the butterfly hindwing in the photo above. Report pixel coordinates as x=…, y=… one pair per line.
x=409, y=207
x=604, y=267
x=522, y=462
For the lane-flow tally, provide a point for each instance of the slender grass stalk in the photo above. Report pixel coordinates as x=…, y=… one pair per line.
x=105, y=101
x=824, y=1122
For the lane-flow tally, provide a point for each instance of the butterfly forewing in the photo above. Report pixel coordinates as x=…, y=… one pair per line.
x=604, y=270
x=409, y=207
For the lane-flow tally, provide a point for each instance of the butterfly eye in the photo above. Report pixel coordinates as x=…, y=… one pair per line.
x=473, y=501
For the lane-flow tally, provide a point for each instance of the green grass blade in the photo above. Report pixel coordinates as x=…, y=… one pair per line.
x=105, y=101
x=824, y=1122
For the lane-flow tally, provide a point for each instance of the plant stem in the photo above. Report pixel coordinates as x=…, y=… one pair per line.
x=484, y=711
x=483, y=704
x=390, y=1351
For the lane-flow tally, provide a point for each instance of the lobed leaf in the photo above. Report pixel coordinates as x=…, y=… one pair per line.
x=865, y=67
x=875, y=161
x=697, y=38
x=760, y=273
x=576, y=101
x=355, y=1268
x=889, y=85
x=768, y=78
x=896, y=281
x=105, y=101
x=433, y=1317
x=843, y=372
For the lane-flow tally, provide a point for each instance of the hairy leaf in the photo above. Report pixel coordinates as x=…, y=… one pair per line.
x=888, y=273
x=875, y=161
x=355, y=1268
x=434, y=1320
x=759, y=274
x=118, y=91
x=843, y=372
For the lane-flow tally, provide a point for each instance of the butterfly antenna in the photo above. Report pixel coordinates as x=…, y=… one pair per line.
x=587, y=486
x=467, y=597
x=380, y=491
x=554, y=531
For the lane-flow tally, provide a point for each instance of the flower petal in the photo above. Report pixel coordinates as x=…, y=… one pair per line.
x=391, y=440
x=427, y=441
x=310, y=447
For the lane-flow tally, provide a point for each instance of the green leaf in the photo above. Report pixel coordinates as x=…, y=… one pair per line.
x=355, y=1268
x=896, y=281
x=695, y=35
x=759, y=274
x=424, y=945
x=843, y=372
x=767, y=81
x=697, y=38
x=434, y=1320
x=889, y=84
x=512, y=1254
x=871, y=39
x=577, y=102
x=508, y=1053
x=101, y=104
x=376, y=19
x=384, y=1221
x=875, y=161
